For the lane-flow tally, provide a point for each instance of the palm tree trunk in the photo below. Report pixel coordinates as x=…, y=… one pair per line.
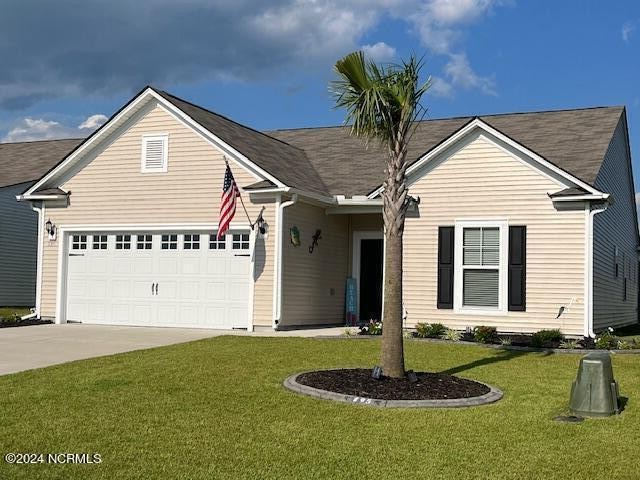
x=393, y=212
x=392, y=341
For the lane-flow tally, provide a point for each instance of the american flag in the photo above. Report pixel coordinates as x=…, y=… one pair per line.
x=228, y=202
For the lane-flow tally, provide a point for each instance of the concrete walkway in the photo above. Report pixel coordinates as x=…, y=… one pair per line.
x=36, y=346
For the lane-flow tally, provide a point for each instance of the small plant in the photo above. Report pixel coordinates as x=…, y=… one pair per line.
x=350, y=332
x=570, y=344
x=451, y=335
x=374, y=327
x=606, y=340
x=505, y=341
x=407, y=334
x=430, y=330
x=544, y=338
x=483, y=334
x=624, y=345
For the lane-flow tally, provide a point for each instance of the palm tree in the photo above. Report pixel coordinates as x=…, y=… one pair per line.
x=383, y=105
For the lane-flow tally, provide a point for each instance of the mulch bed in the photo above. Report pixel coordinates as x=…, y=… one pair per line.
x=358, y=382
x=23, y=323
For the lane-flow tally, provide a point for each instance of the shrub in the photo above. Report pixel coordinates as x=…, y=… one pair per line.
x=350, y=332
x=570, y=345
x=545, y=337
x=624, y=345
x=505, y=341
x=430, y=330
x=374, y=327
x=484, y=334
x=606, y=341
x=451, y=335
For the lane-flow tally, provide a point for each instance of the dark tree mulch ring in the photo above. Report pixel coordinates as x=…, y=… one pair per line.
x=358, y=382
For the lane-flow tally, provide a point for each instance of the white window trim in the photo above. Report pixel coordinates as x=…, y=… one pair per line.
x=503, y=267
x=164, y=137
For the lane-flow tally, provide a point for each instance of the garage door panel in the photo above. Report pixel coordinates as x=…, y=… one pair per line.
x=98, y=265
x=197, y=287
x=97, y=289
x=143, y=264
x=120, y=288
x=216, y=291
x=168, y=265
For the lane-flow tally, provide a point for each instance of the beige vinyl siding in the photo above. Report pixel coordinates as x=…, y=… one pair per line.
x=483, y=182
x=616, y=227
x=313, y=283
x=112, y=190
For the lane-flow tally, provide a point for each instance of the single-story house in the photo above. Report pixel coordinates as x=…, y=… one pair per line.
x=522, y=221
x=21, y=164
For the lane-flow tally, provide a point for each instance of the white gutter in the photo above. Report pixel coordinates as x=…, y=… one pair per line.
x=580, y=198
x=588, y=303
x=22, y=198
x=279, y=244
x=41, y=214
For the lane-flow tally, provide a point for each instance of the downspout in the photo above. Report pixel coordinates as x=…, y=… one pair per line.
x=588, y=304
x=279, y=245
x=40, y=210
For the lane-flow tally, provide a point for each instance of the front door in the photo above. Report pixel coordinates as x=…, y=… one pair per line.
x=371, y=279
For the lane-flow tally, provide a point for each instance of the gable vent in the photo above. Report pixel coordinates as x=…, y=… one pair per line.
x=154, y=153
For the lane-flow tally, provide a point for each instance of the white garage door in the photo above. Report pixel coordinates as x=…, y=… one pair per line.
x=178, y=279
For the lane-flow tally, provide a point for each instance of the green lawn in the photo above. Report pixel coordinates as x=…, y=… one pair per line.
x=11, y=312
x=216, y=409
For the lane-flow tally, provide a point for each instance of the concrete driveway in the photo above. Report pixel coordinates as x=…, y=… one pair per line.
x=24, y=348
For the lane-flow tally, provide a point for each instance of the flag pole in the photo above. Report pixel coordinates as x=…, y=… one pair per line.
x=251, y=224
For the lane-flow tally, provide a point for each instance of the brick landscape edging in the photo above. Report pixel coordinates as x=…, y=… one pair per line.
x=492, y=396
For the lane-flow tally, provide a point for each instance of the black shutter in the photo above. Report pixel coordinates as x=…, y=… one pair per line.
x=517, y=268
x=445, y=267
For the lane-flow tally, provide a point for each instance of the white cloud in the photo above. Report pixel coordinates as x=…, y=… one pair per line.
x=380, y=52
x=93, y=122
x=459, y=72
x=29, y=129
x=627, y=30
x=440, y=87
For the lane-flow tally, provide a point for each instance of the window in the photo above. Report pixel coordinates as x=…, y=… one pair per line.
x=144, y=242
x=154, y=153
x=169, y=242
x=99, y=242
x=481, y=267
x=123, y=242
x=240, y=241
x=215, y=244
x=191, y=242
x=79, y=242
x=616, y=262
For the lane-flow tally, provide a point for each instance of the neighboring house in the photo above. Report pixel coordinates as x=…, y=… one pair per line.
x=21, y=164
x=522, y=221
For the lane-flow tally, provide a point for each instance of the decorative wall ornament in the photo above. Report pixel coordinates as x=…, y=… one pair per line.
x=294, y=233
x=315, y=238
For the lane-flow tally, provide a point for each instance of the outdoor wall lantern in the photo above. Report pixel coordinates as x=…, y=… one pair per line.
x=294, y=233
x=51, y=229
x=262, y=225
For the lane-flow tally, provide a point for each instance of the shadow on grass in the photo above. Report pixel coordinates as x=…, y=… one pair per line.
x=502, y=356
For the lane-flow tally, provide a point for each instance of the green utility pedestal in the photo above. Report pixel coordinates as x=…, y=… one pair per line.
x=595, y=393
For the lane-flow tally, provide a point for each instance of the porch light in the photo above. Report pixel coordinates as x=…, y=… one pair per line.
x=261, y=224
x=51, y=229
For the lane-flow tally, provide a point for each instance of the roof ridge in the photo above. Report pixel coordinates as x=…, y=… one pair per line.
x=43, y=140
x=227, y=119
x=461, y=117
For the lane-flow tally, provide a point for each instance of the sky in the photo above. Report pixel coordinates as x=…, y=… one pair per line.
x=69, y=65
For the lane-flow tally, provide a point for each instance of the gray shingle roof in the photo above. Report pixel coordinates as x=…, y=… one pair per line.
x=285, y=162
x=28, y=161
x=574, y=140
